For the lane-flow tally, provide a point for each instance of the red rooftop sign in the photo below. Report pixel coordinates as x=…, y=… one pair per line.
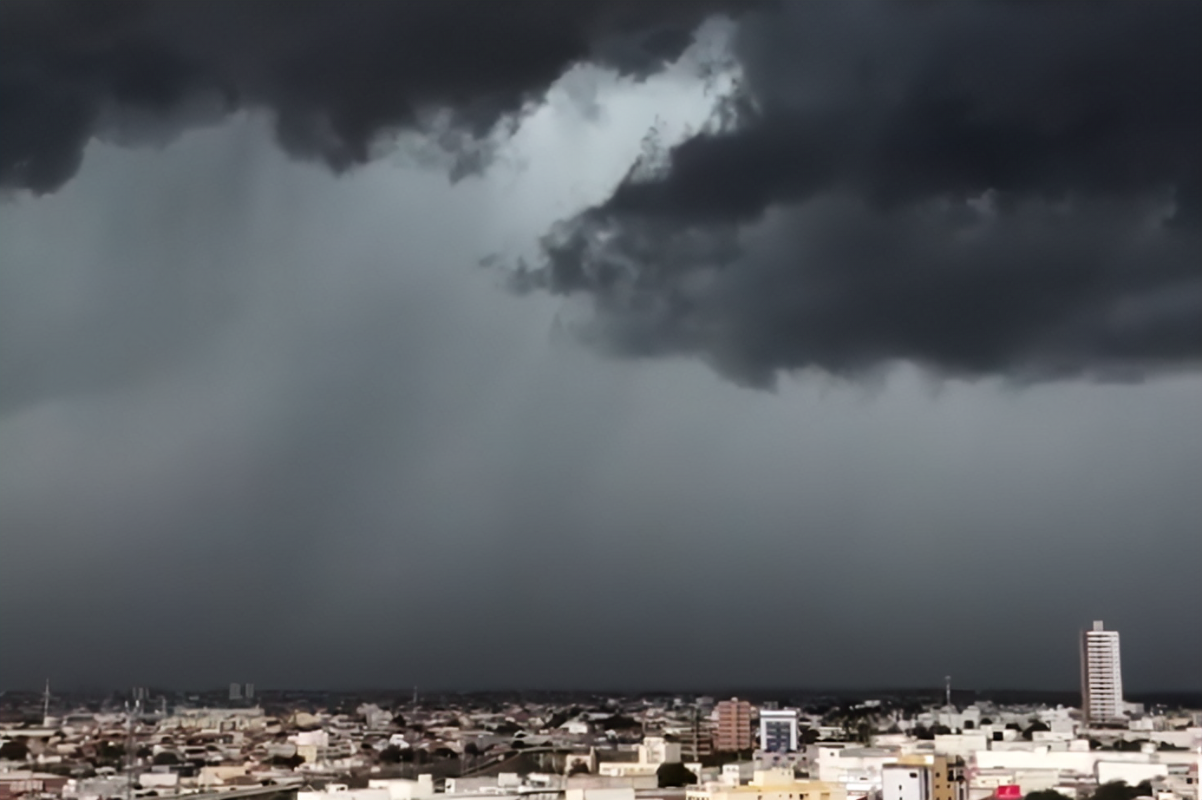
x=1010, y=791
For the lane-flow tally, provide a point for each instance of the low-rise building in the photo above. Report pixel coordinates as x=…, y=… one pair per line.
x=931, y=777
x=406, y=789
x=18, y=782
x=772, y=784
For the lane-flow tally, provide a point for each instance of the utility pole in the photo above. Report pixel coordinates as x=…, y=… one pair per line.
x=129, y=751
x=46, y=703
x=947, y=683
x=696, y=732
x=130, y=754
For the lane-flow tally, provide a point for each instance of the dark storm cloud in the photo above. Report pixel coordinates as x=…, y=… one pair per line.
x=975, y=187
x=259, y=422
x=336, y=75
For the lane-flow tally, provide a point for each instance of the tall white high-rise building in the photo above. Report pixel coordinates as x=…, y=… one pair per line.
x=778, y=730
x=1101, y=675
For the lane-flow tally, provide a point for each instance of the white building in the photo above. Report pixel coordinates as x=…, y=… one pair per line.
x=769, y=784
x=159, y=781
x=1101, y=675
x=214, y=719
x=924, y=777
x=343, y=793
x=737, y=773
x=652, y=753
x=905, y=782
x=403, y=788
x=1129, y=773
x=312, y=746
x=617, y=793
x=961, y=744
x=856, y=768
x=778, y=730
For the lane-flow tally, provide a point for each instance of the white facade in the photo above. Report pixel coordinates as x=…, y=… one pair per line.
x=961, y=744
x=403, y=788
x=905, y=782
x=657, y=750
x=319, y=738
x=159, y=780
x=624, y=793
x=854, y=766
x=770, y=784
x=653, y=752
x=343, y=793
x=214, y=719
x=1131, y=774
x=1101, y=675
x=778, y=730
x=737, y=773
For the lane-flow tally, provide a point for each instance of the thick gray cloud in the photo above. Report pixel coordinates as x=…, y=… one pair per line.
x=338, y=77
x=344, y=459
x=980, y=188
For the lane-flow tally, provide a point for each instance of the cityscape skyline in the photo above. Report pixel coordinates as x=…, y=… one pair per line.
x=621, y=747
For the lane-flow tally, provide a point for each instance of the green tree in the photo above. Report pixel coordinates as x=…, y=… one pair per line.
x=619, y=722
x=1119, y=790
x=291, y=762
x=1133, y=747
x=674, y=774
x=111, y=751
x=15, y=749
x=1044, y=794
x=1034, y=728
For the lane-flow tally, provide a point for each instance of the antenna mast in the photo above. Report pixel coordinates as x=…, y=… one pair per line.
x=130, y=755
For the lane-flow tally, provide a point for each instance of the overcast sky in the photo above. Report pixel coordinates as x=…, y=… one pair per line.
x=593, y=349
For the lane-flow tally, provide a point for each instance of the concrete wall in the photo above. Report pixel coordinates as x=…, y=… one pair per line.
x=403, y=788
x=345, y=794
x=905, y=782
x=1108, y=771
x=624, y=793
